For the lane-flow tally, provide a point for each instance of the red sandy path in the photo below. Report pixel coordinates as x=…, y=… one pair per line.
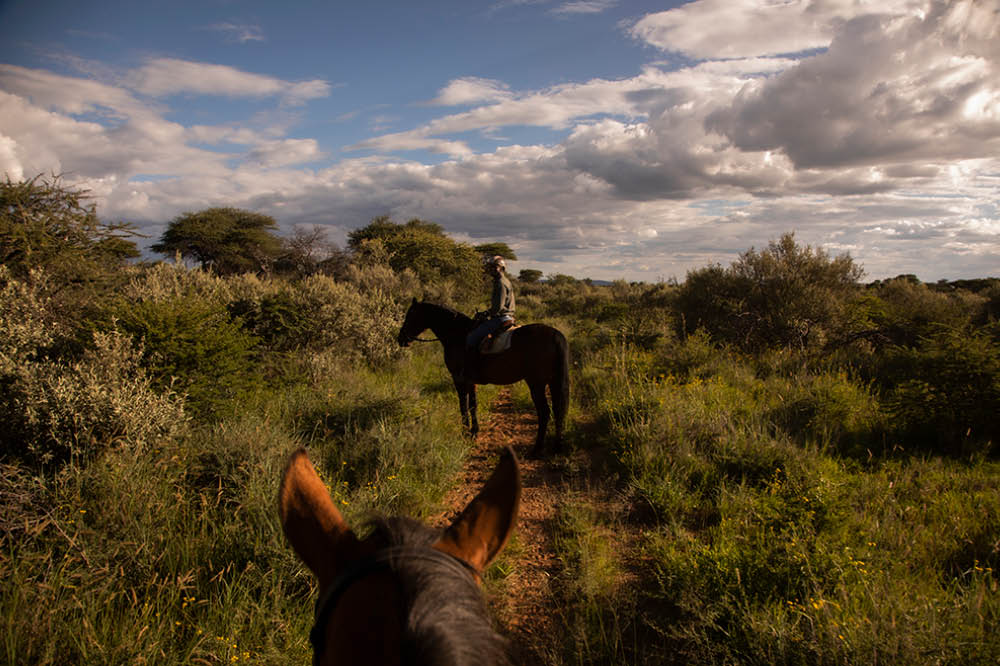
x=525, y=610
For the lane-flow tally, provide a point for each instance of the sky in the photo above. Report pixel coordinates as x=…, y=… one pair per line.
x=597, y=138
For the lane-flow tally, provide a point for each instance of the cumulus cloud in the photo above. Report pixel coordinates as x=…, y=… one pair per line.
x=470, y=90
x=713, y=29
x=878, y=136
x=887, y=91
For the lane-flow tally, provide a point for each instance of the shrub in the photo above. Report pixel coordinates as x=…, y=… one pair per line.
x=783, y=295
x=45, y=224
x=319, y=313
x=946, y=392
x=192, y=347
x=53, y=413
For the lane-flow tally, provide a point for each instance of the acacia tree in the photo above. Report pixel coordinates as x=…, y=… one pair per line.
x=225, y=240
x=496, y=249
x=420, y=246
x=45, y=224
x=529, y=275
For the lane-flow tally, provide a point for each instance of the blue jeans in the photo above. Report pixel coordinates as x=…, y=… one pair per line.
x=487, y=327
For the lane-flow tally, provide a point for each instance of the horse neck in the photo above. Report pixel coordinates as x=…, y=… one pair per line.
x=447, y=325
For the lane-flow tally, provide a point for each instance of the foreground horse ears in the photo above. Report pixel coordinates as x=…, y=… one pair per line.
x=481, y=531
x=320, y=536
x=313, y=525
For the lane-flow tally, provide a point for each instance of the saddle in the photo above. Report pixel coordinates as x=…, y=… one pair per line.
x=495, y=343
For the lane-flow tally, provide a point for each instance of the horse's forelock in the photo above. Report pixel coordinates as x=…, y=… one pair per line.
x=445, y=620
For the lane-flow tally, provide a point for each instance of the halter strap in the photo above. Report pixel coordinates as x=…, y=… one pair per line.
x=385, y=559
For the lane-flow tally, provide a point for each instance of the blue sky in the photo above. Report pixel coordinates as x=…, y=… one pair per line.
x=602, y=139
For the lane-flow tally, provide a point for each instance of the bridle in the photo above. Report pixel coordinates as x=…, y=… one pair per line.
x=385, y=559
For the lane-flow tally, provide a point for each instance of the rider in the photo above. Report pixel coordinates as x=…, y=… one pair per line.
x=501, y=308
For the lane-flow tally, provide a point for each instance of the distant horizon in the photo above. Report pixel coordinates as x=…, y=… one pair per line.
x=636, y=140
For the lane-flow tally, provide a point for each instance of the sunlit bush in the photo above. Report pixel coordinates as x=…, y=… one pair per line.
x=784, y=295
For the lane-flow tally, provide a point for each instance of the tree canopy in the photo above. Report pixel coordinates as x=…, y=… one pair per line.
x=226, y=240
x=529, y=275
x=45, y=224
x=420, y=246
x=495, y=249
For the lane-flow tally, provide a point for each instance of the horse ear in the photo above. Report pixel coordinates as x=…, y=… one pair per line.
x=481, y=531
x=313, y=525
x=414, y=301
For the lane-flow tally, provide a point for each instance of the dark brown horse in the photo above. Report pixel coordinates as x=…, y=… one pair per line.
x=406, y=594
x=538, y=354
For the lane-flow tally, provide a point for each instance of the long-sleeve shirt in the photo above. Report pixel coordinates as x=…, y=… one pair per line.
x=502, y=303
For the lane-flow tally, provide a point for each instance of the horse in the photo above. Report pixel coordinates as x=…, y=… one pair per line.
x=538, y=354
x=406, y=594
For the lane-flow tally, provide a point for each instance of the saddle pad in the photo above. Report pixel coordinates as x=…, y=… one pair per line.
x=498, y=343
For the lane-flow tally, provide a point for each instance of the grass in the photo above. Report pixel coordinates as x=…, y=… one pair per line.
x=765, y=512
x=772, y=538
x=175, y=555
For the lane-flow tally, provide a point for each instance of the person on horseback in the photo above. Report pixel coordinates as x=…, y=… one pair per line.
x=501, y=312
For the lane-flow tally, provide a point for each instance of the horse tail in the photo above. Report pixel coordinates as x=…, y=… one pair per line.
x=560, y=384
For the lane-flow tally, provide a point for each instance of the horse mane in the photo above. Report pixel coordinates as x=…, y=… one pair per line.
x=445, y=620
x=455, y=314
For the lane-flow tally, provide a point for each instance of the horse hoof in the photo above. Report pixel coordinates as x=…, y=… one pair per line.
x=536, y=453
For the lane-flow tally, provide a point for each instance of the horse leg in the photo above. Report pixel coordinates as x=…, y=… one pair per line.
x=463, y=404
x=473, y=412
x=559, y=408
x=542, y=408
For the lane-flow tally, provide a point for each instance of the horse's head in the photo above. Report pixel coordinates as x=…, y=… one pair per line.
x=413, y=325
x=406, y=594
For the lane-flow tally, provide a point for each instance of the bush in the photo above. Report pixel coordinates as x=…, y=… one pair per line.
x=53, y=413
x=319, y=313
x=47, y=225
x=55, y=407
x=946, y=392
x=193, y=347
x=785, y=295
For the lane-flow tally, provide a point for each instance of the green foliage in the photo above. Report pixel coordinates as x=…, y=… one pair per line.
x=946, y=392
x=783, y=295
x=319, y=313
x=55, y=409
x=496, y=249
x=193, y=348
x=421, y=247
x=529, y=275
x=226, y=240
x=734, y=493
x=47, y=225
x=904, y=311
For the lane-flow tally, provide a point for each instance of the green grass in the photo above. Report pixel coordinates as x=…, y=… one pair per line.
x=772, y=538
x=175, y=555
x=720, y=509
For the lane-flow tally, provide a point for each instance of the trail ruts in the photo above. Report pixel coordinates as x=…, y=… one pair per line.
x=525, y=609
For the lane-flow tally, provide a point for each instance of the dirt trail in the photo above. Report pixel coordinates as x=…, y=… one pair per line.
x=525, y=611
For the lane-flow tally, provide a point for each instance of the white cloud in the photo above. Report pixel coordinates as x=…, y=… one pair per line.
x=470, y=90
x=168, y=76
x=285, y=152
x=584, y=7
x=239, y=32
x=715, y=29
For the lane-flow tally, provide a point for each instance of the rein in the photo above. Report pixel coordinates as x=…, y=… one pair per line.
x=386, y=559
